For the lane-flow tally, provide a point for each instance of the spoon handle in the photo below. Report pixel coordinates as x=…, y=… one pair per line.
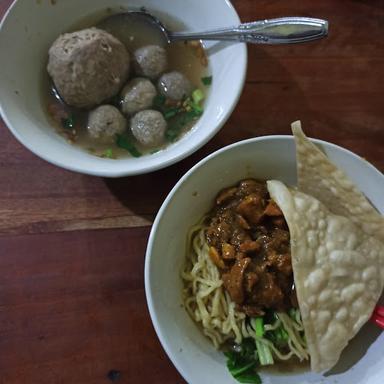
x=283, y=30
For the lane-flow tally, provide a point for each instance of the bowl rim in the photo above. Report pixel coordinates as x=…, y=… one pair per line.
x=118, y=170
x=151, y=239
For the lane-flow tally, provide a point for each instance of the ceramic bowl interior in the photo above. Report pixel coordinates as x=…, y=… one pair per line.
x=30, y=27
x=270, y=157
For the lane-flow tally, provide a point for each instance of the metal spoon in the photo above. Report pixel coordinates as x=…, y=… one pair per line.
x=283, y=30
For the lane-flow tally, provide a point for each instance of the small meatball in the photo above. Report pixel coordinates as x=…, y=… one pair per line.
x=105, y=122
x=88, y=67
x=174, y=85
x=150, y=61
x=148, y=127
x=137, y=95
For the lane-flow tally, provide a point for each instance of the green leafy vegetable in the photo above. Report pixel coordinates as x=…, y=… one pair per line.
x=125, y=143
x=237, y=365
x=158, y=101
x=171, y=112
x=207, y=80
x=242, y=364
x=68, y=123
x=108, y=153
x=250, y=378
x=178, y=123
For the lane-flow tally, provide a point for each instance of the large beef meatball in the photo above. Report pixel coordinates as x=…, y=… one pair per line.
x=88, y=67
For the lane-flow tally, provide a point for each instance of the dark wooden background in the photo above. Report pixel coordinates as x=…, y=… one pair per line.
x=72, y=303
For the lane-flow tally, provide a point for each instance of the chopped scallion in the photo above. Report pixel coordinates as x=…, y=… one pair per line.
x=108, y=153
x=258, y=325
x=171, y=112
x=158, y=101
x=264, y=353
x=241, y=363
x=125, y=143
x=207, y=80
x=68, y=123
x=197, y=96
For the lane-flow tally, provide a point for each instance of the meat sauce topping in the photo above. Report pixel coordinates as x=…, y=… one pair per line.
x=248, y=240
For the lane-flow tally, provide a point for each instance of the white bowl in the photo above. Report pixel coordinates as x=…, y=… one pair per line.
x=30, y=27
x=269, y=157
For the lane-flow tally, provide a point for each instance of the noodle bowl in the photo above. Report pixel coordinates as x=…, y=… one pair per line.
x=192, y=352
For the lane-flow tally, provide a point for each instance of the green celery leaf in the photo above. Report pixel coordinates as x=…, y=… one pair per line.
x=125, y=143
x=241, y=368
x=207, y=80
x=158, y=101
x=250, y=378
x=248, y=347
x=176, y=125
x=171, y=112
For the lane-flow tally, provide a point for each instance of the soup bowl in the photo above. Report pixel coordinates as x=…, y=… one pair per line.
x=29, y=28
x=269, y=157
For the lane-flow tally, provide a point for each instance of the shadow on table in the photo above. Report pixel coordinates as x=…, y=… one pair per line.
x=144, y=194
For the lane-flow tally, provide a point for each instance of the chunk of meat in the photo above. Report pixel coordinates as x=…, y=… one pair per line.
x=249, y=246
x=252, y=208
x=278, y=240
x=281, y=262
x=233, y=281
x=228, y=251
x=239, y=236
x=252, y=310
x=251, y=279
x=219, y=231
x=215, y=257
x=272, y=209
x=225, y=195
x=251, y=239
x=248, y=186
x=242, y=222
x=240, y=255
x=268, y=293
x=279, y=222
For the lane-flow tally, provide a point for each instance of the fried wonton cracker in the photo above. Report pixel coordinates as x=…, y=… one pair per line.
x=337, y=252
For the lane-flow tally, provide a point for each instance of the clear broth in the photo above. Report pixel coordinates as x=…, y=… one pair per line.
x=182, y=57
x=292, y=366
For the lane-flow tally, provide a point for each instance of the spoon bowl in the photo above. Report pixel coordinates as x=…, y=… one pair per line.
x=284, y=30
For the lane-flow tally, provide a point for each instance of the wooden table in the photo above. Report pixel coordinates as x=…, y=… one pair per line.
x=72, y=303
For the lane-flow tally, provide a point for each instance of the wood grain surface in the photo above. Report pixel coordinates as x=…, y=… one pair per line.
x=72, y=303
